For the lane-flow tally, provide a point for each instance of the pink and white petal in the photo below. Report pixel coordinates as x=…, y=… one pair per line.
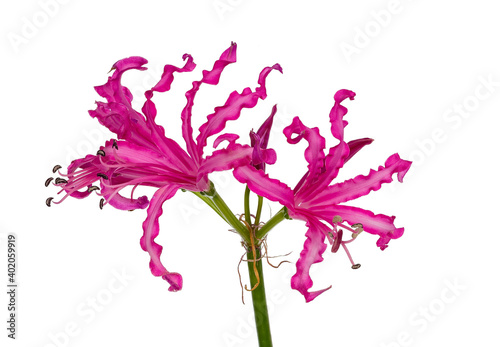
x=362, y=185
x=167, y=77
x=262, y=185
x=231, y=110
x=376, y=224
x=314, y=247
x=151, y=229
x=225, y=159
x=209, y=77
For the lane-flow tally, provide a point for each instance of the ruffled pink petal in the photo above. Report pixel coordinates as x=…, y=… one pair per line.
x=262, y=185
x=122, y=203
x=231, y=110
x=338, y=154
x=113, y=91
x=226, y=159
x=314, y=154
x=379, y=224
x=361, y=185
x=314, y=247
x=167, y=77
x=338, y=112
x=151, y=229
x=231, y=138
x=209, y=77
x=168, y=147
x=117, y=114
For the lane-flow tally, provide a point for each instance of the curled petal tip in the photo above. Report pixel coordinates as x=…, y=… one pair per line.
x=175, y=281
x=343, y=94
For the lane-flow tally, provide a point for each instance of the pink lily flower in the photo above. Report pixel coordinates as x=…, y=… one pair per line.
x=143, y=155
x=320, y=204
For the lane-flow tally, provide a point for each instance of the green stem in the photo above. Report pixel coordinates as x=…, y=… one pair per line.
x=247, y=206
x=259, y=299
x=259, y=209
x=229, y=216
x=277, y=218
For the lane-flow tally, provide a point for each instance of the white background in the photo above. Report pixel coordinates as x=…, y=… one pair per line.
x=411, y=64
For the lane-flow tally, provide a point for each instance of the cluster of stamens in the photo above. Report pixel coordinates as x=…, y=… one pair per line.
x=77, y=181
x=336, y=240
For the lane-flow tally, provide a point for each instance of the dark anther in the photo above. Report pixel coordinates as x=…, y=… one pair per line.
x=337, y=241
x=356, y=266
x=57, y=167
x=101, y=152
x=102, y=176
x=357, y=225
x=60, y=180
x=92, y=188
x=115, y=145
x=101, y=203
x=48, y=180
x=48, y=201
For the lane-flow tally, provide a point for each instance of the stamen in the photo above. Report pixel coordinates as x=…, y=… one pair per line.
x=337, y=242
x=115, y=145
x=92, y=188
x=102, y=176
x=57, y=167
x=60, y=180
x=48, y=201
x=48, y=180
x=101, y=152
x=337, y=219
x=101, y=203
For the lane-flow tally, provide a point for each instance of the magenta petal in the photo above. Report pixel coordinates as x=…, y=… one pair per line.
x=175, y=281
x=356, y=145
x=338, y=112
x=231, y=138
x=209, y=77
x=151, y=229
x=167, y=77
x=231, y=110
x=314, y=154
x=362, y=185
x=225, y=159
x=264, y=131
x=120, y=202
x=379, y=224
x=262, y=185
x=171, y=150
x=314, y=247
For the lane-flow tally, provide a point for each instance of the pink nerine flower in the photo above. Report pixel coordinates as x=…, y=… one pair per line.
x=143, y=155
x=320, y=204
